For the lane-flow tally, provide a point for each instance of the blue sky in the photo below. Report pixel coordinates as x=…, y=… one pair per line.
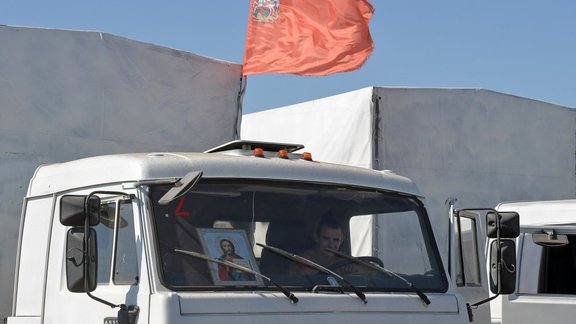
x=521, y=47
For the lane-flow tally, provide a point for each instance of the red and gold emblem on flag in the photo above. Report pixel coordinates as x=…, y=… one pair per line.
x=266, y=11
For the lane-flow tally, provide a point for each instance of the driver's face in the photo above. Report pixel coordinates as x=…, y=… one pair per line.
x=329, y=238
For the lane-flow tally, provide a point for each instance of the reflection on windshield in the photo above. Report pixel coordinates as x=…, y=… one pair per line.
x=227, y=220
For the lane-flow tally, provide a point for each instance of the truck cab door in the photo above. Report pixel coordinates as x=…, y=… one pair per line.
x=120, y=268
x=468, y=262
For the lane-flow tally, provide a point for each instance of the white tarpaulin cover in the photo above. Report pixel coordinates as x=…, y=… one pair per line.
x=71, y=94
x=478, y=147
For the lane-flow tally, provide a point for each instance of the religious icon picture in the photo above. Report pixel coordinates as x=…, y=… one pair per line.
x=231, y=245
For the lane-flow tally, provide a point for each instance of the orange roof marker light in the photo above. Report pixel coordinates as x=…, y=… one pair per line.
x=283, y=154
x=307, y=156
x=258, y=152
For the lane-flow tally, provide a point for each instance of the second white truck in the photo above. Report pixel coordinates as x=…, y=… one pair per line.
x=546, y=253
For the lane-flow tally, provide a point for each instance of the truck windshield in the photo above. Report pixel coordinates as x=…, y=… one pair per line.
x=231, y=220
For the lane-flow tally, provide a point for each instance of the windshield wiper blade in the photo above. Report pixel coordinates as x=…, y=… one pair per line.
x=293, y=299
x=377, y=267
x=314, y=265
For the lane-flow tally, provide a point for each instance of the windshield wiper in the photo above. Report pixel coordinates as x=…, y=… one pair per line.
x=293, y=299
x=377, y=267
x=316, y=266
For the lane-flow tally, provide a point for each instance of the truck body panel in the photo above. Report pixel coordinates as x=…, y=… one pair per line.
x=393, y=310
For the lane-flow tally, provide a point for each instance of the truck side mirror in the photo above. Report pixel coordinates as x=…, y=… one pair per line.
x=74, y=209
x=503, y=267
x=77, y=261
x=509, y=224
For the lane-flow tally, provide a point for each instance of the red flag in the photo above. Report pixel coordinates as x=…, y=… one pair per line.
x=307, y=37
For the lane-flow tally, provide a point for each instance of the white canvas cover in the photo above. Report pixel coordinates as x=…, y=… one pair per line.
x=476, y=146
x=543, y=213
x=70, y=94
x=334, y=129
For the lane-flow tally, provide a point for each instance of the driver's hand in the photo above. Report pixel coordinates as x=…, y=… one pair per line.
x=349, y=268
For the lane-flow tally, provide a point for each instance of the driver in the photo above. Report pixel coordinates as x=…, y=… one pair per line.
x=329, y=235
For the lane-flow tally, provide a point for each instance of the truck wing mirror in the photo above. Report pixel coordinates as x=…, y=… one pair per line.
x=503, y=268
x=503, y=227
x=74, y=209
x=509, y=224
x=77, y=261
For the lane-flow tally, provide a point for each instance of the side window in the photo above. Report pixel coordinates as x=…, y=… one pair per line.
x=117, y=260
x=125, y=265
x=467, y=259
x=557, y=268
x=105, y=241
x=361, y=230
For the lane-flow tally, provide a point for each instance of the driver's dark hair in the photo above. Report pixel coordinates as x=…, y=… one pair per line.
x=329, y=221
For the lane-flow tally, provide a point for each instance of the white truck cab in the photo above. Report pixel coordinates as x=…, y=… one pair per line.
x=546, y=261
x=220, y=236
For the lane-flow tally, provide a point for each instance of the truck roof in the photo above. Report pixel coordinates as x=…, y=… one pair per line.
x=153, y=166
x=543, y=213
